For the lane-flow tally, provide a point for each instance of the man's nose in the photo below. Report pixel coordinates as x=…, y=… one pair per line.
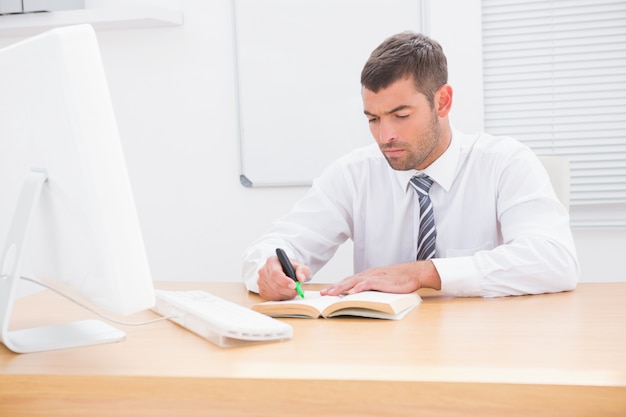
x=386, y=132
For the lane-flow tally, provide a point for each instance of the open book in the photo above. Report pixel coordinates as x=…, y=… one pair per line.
x=372, y=304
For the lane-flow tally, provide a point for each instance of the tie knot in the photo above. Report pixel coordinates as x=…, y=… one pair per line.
x=422, y=184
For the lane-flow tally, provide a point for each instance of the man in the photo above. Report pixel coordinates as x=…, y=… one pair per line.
x=498, y=226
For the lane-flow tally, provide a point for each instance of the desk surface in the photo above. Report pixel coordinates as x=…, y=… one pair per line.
x=561, y=354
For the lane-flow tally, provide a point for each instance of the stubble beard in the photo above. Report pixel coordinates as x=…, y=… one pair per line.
x=421, y=151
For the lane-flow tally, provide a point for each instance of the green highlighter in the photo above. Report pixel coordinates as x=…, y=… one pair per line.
x=288, y=269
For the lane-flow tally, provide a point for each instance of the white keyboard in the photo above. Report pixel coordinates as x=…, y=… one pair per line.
x=218, y=320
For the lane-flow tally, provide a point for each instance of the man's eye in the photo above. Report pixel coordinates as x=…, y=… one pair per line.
x=372, y=119
x=402, y=116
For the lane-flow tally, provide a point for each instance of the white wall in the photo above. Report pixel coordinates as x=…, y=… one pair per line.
x=174, y=96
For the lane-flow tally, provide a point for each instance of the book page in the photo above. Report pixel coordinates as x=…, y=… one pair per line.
x=390, y=304
x=313, y=298
x=373, y=314
x=289, y=308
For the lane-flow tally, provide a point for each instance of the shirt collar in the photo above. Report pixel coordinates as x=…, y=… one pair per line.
x=442, y=171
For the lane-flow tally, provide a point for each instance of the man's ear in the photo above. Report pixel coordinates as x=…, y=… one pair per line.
x=443, y=100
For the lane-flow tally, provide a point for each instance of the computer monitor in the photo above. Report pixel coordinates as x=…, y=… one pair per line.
x=68, y=215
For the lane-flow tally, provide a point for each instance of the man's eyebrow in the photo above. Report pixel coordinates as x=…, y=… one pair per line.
x=394, y=110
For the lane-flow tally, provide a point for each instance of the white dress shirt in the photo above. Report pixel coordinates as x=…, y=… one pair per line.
x=500, y=228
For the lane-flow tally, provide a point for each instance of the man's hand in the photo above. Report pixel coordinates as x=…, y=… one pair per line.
x=399, y=278
x=274, y=285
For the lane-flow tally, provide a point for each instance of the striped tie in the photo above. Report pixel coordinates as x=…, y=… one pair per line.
x=427, y=233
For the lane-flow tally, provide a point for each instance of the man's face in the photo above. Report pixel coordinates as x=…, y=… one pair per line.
x=404, y=124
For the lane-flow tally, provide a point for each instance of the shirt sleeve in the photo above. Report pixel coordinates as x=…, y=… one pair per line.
x=537, y=254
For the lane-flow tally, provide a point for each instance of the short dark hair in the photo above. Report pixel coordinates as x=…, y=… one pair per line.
x=407, y=54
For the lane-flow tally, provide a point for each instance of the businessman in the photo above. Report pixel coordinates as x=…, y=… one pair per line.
x=426, y=206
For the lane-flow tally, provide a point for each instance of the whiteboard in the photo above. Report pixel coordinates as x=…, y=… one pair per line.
x=298, y=80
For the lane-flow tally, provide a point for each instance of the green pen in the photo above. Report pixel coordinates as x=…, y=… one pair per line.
x=288, y=270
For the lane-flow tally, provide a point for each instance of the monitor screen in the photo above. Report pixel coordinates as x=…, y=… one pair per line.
x=67, y=215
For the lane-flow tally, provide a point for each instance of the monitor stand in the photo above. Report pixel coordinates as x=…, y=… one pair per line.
x=60, y=336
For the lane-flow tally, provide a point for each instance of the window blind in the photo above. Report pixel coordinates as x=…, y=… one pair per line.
x=555, y=78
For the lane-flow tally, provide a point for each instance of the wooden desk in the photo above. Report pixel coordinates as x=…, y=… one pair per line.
x=559, y=354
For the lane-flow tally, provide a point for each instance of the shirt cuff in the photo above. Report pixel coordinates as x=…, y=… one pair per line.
x=459, y=276
x=250, y=275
